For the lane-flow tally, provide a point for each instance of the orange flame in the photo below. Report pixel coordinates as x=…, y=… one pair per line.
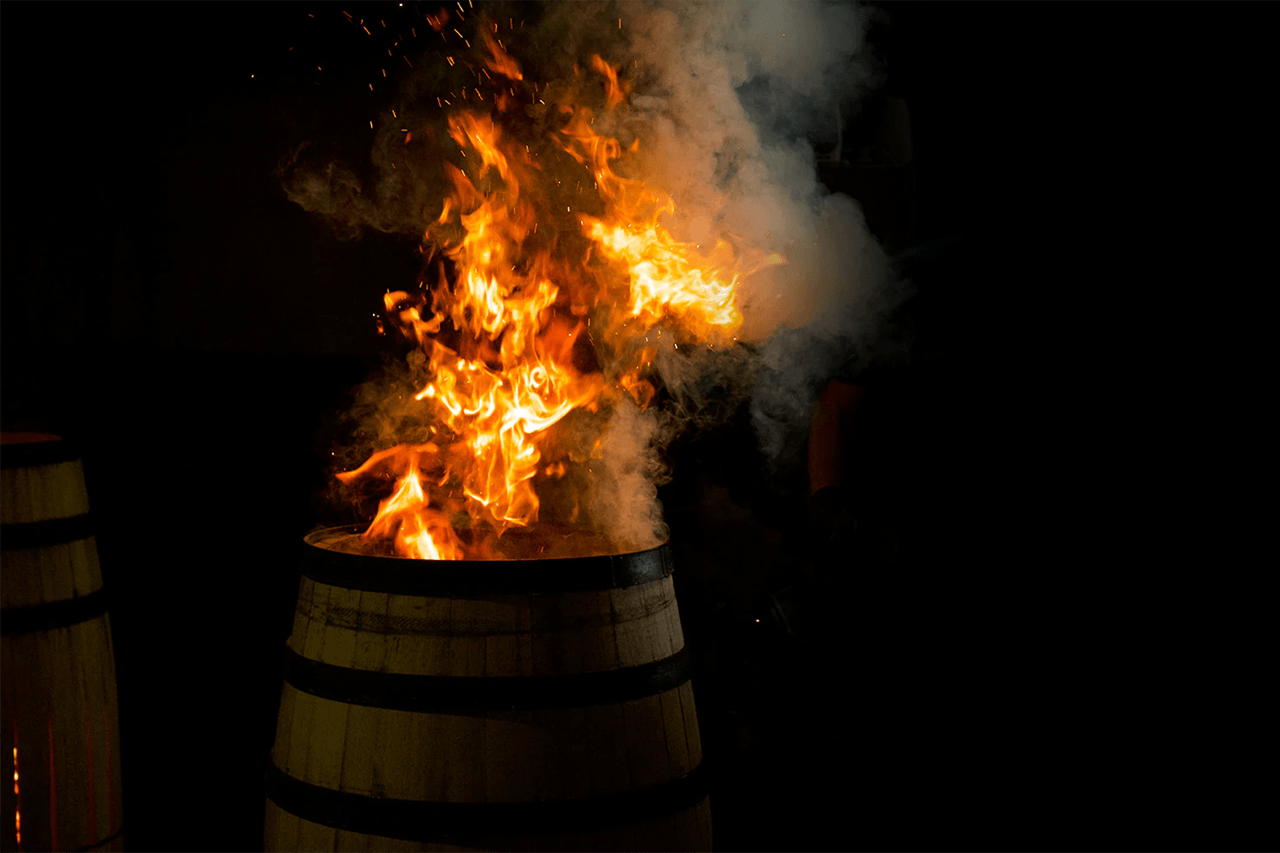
x=17, y=800
x=614, y=94
x=515, y=312
x=499, y=61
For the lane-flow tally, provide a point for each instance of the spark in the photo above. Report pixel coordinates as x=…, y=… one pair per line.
x=455, y=29
x=366, y=29
x=371, y=123
x=347, y=14
x=393, y=114
x=407, y=62
x=450, y=58
x=370, y=89
x=384, y=72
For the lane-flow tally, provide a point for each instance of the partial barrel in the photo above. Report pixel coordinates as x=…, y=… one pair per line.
x=59, y=730
x=497, y=705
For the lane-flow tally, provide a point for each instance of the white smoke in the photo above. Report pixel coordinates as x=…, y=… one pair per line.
x=730, y=93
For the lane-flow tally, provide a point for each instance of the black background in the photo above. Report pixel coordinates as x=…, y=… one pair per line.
x=988, y=687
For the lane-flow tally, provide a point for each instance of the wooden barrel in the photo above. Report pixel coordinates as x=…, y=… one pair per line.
x=59, y=731
x=519, y=705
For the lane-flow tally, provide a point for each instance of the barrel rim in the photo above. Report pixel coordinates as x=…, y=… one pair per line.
x=10, y=438
x=405, y=576
x=358, y=528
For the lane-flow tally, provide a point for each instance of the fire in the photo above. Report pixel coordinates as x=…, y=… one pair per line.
x=519, y=330
x=17, y=813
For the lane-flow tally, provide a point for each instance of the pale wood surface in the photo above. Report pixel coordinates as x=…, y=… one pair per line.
x=34, y=576
x=59, y=686
x=498, y=636
x=56, y=572
x=59, y=696
x=42, y=492
x=495, y=756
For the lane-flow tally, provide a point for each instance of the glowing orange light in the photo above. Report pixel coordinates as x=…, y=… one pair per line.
x=517, y=307
x=17, y=812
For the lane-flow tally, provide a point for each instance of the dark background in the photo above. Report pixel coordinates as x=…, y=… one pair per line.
x=951, y=675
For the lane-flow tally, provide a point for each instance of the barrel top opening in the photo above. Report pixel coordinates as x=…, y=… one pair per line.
x=545, y=542
x=7, y=438
x=35, y=449
x=334, y=556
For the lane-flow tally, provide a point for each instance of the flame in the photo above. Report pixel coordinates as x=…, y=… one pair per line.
x=499, y=61
x=615, y=94
x=505, y=333
x=17, y=802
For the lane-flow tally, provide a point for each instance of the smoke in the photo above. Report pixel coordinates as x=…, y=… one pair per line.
x=736, y=92
x=622, y=494
x=725, y=100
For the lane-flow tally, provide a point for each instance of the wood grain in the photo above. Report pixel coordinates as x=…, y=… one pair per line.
x=496, y=756
x=58, y=703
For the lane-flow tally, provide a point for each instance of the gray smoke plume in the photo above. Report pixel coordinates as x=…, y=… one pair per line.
x=724, y=99
x=737, y=88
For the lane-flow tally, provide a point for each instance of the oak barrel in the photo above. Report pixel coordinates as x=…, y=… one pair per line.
x=59, y=730
x=499, y=705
